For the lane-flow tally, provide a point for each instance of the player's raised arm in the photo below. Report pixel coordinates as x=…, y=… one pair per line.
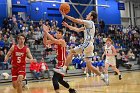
x=46, y=41
x=9, y=54
x=45, y=38
x=79, y=21
x=73, y=28
x=46, y=34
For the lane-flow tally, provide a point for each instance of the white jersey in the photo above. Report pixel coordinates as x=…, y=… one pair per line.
x=89, y=30
x=110, y=59
x=87, y=47
x=108, y=50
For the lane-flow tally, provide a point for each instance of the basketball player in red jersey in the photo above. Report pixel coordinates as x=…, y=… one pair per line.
x=18, y=55
x=61, y=57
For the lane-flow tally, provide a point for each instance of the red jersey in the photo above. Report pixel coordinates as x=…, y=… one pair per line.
x=61, y=55
x=19, y=56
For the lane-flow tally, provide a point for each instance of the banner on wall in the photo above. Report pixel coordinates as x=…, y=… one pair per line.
x=121, y=6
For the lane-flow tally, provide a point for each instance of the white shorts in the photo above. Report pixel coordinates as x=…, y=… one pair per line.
x=111, y=61
x=86, y=48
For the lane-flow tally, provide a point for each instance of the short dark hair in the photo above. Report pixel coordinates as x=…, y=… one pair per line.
x=21, y=35
x=94, y=14
x=60, y=30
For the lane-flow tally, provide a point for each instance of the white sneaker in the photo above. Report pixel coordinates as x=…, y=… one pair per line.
x=87, y=75
x=105, y=80
x=92, y=74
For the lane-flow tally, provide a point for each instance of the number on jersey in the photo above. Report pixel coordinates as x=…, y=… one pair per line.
x=18, y=59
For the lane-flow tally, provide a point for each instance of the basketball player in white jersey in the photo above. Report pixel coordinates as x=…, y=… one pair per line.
x=110, y=59
x=87, y=47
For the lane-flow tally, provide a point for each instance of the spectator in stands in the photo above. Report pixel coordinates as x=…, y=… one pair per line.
x=72, y=38
x=52, y=31
x=1, y=37
x=67, y=37
x=5, y=23
x=47, y=23
x=11, y=40
x=2, y=63
x=131, y=55
x=1, y=43
x=111, y=29
x=136, y=43
x=5, y=51
x=102, y=26
x=15, y=29
x=44, y=68
x=32, y=24
x=136, y=52
x=124, y=57
x=125, y=62
x=31, y=29
x=21, y=25
x=19, y=18
x=54, y=23
x=34, y=68
x=29, y=35
x=6, y=42
x=40, y=24
x=117, y=47
x=27, y=19
x=38, y=35
x=14, y=18
x=10, y=22
x=76, y=61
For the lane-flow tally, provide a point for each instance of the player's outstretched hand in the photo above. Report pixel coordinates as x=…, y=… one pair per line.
x=62, y=13
x=65, y=24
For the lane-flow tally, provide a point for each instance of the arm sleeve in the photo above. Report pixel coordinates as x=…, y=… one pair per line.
x=88, y=23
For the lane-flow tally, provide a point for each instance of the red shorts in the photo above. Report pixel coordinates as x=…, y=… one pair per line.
x=16, y=71
x=60, y=64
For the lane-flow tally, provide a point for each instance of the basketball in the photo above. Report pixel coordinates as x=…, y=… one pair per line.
x=65, y=7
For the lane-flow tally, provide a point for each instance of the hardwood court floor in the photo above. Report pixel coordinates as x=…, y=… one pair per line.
x=129, y=84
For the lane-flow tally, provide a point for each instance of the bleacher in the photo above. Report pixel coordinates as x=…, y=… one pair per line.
x=38, y=54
